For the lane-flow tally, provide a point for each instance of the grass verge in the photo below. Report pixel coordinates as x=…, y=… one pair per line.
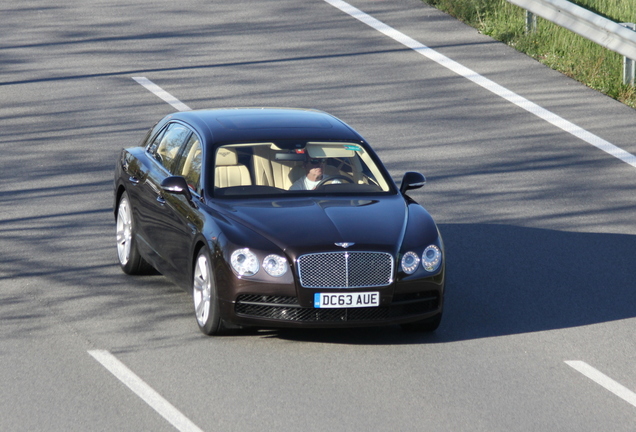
x=554, y=46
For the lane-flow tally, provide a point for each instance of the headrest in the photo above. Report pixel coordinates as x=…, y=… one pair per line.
x=226, y=157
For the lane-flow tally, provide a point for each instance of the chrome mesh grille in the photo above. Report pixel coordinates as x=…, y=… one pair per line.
x=345, y=269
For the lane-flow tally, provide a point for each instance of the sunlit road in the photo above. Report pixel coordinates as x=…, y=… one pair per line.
x=538, y=330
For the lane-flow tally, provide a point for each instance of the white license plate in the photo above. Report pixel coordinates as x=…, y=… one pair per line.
x=347, y=300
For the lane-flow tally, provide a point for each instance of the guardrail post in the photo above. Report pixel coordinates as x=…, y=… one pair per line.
x=598, y=29
x=531, y=22
x=629, y=65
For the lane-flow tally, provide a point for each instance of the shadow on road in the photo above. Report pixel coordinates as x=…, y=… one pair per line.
x=505, y=280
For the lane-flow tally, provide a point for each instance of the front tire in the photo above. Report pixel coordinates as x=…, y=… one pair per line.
x=206, y=303
x=130, y=260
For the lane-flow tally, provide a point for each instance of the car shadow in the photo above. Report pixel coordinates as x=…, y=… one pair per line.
x=506, y=280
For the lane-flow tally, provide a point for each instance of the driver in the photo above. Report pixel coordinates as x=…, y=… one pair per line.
x=313, y=175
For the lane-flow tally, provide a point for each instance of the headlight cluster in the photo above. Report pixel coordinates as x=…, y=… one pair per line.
x=245, y=263
x=431, y=260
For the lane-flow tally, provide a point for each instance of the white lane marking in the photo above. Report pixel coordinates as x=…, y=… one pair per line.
x=144, y=391
x=603, y=380
x=489, y=85
x=158, y=91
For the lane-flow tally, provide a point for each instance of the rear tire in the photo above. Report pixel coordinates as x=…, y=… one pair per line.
x=130, y=260
x=426, y=325
x=204, y=294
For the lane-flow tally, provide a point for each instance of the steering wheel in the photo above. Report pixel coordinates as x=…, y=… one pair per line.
x=332, y=178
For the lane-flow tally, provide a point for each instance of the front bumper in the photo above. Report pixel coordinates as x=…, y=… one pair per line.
x=410, y=302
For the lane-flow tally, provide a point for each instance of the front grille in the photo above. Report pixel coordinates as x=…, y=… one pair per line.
x=286, y=308
x=345, y=269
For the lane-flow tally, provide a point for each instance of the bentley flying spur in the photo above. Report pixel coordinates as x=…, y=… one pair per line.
x=277, y=218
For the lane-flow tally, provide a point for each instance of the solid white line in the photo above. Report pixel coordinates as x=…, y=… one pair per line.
x=489, y=85
x=158, y=91
x=144, y=391
x=603, y=380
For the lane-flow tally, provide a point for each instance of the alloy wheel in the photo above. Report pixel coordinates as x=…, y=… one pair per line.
x=124, y=231
x=202, y=287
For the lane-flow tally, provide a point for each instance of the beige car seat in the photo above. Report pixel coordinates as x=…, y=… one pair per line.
x=228, y=172
x=270, y=172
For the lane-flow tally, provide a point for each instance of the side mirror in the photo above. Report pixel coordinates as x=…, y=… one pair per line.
x=177, y=185
x=412, y=180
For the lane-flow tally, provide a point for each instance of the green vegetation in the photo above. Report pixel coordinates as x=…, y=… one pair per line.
x=552, y=45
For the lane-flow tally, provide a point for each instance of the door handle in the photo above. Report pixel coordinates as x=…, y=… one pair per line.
x=134, y=180
x=161, y=200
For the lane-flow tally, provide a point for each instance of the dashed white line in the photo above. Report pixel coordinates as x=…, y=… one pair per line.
x=144, y=391
x=158, y=91
x=484, y=82
x=603, y=380
x=452, y=65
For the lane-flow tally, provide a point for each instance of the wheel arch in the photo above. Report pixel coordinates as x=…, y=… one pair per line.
x=198, y=245
x=118, y=193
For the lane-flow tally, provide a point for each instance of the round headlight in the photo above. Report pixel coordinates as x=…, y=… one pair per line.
x=275, y=265
x=431, y=258
x=410, y=262
x=244, y=262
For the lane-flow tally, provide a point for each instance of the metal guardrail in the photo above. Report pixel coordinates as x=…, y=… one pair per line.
x=596, y=28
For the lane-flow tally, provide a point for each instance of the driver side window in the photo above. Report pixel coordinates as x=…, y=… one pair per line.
x=190, y=163
x=165, y=147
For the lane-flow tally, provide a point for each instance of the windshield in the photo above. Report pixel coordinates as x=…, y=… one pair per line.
x=266, y=169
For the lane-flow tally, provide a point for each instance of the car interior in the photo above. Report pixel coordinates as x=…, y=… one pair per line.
x=267, y=168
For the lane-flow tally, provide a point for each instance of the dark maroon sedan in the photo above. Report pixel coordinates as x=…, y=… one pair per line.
x=277, y=218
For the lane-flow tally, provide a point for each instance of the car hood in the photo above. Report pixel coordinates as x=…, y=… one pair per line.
x=317, y=224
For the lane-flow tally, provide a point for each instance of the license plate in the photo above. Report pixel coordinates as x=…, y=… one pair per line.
x=347, y=300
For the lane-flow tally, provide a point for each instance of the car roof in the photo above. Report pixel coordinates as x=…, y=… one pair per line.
x=279, y=125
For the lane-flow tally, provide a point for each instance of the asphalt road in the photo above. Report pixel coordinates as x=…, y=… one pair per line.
x=539, y=226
